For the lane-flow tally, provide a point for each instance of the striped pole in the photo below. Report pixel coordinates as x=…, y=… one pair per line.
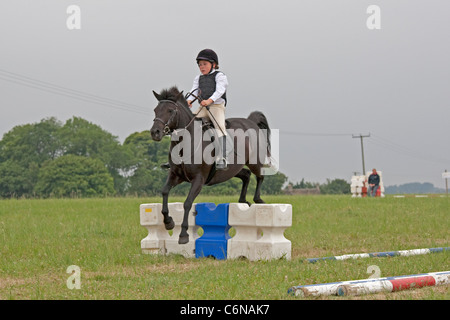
x=403, y=253
x=359, y=287
x=420, y=196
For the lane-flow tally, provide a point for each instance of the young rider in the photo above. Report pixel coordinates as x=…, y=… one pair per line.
x=211, y=86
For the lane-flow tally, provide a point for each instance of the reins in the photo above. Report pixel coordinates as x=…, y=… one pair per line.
x=167, y=129
x=199, y=98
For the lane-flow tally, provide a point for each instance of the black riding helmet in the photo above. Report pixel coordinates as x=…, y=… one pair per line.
x=208, y=55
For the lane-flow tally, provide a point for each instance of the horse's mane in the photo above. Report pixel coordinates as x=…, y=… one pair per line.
x=171, y=94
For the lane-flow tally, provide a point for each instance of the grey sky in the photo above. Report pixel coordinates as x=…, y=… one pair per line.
x=313, y=67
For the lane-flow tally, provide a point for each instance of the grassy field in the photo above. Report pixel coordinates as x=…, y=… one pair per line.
x=39, y=239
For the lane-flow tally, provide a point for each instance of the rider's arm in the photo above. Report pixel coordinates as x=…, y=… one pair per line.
x=221, y=86
x=193, y=90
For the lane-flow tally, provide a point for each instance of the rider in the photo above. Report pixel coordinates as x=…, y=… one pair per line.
x=211, y=85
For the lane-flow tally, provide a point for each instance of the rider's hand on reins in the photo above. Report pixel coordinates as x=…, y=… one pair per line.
x=206, y=103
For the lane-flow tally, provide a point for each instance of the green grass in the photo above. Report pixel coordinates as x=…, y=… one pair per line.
x=39, y=239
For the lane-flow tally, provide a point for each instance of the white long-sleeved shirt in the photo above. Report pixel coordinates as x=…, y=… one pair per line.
x=221, y=87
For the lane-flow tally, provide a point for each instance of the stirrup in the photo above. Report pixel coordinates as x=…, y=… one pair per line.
x=222, y=164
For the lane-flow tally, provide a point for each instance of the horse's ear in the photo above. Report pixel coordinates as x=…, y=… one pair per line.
x=157, y=96
x=179, y=96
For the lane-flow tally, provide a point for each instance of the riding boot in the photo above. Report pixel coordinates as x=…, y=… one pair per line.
x=221, y=163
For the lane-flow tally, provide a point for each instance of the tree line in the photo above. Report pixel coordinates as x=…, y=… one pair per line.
x=80, y=159
x=335, y=186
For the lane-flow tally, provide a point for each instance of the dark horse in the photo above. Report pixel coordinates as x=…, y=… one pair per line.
x=172, y=114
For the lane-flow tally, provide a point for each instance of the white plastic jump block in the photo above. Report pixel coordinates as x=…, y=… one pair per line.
x=159, y=239
x=259, y=231
x=356, y=186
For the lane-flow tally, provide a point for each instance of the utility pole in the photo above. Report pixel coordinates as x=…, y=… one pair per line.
x=446, y=183
x=362, y=149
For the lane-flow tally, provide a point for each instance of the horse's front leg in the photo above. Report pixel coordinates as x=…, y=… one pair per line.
x=196, y=187
x=172, y=181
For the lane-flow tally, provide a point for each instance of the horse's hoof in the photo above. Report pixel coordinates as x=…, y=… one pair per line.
x=183, y=239
x=170, y=225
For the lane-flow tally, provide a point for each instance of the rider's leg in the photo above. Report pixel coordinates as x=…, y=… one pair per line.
x=218, y=119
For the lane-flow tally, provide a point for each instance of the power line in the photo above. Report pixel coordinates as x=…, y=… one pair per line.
x=72, y=96
x=67, y=92
x=314, y=134
x=392, y=146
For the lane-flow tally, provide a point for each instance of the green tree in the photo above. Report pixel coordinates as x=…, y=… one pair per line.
x=336, y=186
x=15, y=180
x=71, y=174
x=83, y=138
x=147, y=178
x=304, y=185
x=32, y=143
x=143, y=148
x=272, y=184
x=22, y=151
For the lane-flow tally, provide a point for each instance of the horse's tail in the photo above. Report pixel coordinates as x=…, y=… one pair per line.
x=260, y=119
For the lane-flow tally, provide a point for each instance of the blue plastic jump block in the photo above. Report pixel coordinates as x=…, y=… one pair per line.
x=214, y=221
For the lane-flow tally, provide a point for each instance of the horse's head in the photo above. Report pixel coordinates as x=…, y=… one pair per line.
x=166, y=113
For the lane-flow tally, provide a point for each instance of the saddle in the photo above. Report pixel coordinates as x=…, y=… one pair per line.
x=208, y=124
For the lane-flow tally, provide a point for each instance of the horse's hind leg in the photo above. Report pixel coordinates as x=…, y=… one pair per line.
x=244, y=175
x=172, y=181
x=196, y=187
x=257, y=197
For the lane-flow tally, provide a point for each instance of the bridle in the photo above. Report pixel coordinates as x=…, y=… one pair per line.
x=167, y=129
